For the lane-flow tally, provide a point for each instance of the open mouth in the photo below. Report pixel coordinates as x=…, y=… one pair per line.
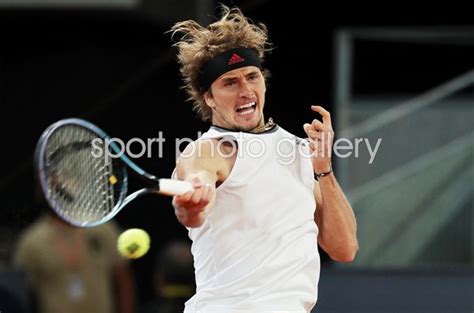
x=246, y=109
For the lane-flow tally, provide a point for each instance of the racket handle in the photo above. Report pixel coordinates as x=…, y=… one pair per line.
x=174, y=187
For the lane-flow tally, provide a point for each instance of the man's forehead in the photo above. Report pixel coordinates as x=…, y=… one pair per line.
x=239, y=71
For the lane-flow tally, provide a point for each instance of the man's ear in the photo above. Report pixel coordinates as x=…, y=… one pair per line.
x=209, y=100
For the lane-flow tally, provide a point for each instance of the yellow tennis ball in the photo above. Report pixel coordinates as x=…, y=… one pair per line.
x=133, y=243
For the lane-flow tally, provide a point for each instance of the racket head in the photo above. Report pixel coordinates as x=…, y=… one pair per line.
x=82, y=186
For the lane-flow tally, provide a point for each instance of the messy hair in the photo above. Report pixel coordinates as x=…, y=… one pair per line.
x=197, y=45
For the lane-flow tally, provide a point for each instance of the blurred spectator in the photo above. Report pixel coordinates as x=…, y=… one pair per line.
x=73, y=269
x=173, y=279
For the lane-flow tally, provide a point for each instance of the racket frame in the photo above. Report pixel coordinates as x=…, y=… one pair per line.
x=123, y=199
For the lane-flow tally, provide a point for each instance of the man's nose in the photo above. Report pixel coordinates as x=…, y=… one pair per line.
x=246, y=90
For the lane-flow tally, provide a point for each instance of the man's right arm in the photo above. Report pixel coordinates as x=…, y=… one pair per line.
x=199, y=164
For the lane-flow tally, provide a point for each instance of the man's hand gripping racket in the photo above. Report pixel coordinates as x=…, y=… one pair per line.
x=82, y=183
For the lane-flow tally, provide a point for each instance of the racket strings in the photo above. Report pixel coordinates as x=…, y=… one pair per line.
x=83, y=185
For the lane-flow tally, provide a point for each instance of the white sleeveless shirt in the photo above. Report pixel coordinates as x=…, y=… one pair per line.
x=257, y=249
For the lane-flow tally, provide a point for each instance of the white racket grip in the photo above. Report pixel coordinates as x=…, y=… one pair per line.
x=174, y=187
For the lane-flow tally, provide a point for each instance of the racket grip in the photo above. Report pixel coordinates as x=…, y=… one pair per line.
x=174, y=187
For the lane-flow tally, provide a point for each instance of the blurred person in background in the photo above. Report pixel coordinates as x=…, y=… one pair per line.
x=71, y=269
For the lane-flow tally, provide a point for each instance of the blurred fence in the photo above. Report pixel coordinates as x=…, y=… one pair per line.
x=414, y=202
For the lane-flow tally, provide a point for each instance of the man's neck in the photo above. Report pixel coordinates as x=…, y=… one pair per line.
x=262, y=127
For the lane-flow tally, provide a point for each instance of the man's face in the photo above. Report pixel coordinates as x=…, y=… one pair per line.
x=237, y=99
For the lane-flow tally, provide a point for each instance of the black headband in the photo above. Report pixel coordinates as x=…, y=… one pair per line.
x=225, y=62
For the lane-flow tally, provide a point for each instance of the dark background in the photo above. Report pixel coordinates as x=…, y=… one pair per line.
x=117, y=69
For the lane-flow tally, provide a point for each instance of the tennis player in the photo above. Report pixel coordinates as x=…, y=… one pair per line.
x=257, y=212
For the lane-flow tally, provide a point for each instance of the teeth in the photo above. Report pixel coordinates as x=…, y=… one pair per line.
x=246, y=106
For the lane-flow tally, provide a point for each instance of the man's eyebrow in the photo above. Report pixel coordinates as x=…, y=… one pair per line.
x=233, y=77
x=251, y=73
x=229, y=77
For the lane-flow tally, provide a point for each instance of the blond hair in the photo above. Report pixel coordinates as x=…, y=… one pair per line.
x=197, y=45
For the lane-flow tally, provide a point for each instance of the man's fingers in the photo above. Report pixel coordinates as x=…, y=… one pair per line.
x=197, y=195
x=207, y=193
x=307, y=128
x=195, y=200
x=179, y=200
x=317, y=125
x=315, y=135
x=196, y=183
x=312, y=132
x=324, y=113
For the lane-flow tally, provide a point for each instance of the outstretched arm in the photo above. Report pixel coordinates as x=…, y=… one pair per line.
x=198, y=166
x=334, y=215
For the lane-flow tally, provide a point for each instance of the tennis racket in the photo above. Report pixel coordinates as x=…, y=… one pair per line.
x=83, y=173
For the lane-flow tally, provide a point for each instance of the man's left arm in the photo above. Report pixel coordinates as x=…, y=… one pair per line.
x=334, y=215
x=335, y=219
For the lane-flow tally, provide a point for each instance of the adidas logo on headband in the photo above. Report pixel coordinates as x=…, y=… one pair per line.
x=235, y=58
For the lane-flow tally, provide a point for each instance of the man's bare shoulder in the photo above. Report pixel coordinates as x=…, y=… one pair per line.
x=201, y=149
x=213, y=155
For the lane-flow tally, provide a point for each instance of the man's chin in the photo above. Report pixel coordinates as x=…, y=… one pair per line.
x=246, y=125
x=250, y=127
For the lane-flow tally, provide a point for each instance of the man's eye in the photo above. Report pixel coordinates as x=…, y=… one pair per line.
x=229, y=83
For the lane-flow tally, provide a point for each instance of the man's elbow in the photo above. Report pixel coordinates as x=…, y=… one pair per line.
x=345, y=255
